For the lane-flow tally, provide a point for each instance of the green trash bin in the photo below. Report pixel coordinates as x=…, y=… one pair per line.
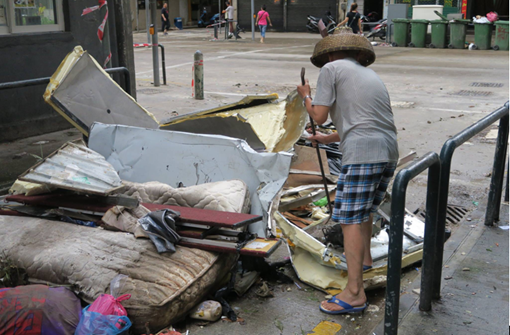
x=458, y=29
x=418, y=33
x=400, y=32
x=483, y=35
x=438, y=34
x=501, y=41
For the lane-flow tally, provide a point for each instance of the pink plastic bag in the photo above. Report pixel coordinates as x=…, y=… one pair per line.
x=492, y=16
x=106, y=304
x=109, y=304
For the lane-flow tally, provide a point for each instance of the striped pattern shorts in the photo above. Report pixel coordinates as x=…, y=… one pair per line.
x=360, y=191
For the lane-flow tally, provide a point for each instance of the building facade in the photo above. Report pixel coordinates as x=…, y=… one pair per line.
x=35, y=36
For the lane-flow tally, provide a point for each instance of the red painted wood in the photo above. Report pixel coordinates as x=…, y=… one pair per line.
x=209, y=217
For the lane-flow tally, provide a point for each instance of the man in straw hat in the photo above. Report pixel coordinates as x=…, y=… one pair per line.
x=360, y=108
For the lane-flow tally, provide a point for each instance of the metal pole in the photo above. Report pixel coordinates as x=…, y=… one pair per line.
x=253, y=20
x=155, y=55
x=396, y=234
x=163, y=64
x=147, y=21
x=198, y=75
x=429, y=247
x=507, y=175
x=498, y=173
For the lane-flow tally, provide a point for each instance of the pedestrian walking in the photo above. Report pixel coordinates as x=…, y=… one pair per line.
x=165, y=22
x=262, y=21
x=229, y=17
x=353, y=20
x=368, y=142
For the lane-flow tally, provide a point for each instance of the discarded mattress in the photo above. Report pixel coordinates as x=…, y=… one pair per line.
x=226, y=196
x=162, y=287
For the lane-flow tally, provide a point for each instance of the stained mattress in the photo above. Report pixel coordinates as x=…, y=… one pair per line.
x=162, y=287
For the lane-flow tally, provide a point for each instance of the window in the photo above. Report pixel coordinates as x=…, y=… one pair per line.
x=30, y=16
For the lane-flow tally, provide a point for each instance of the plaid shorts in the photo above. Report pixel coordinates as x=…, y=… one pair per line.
x=360, y=191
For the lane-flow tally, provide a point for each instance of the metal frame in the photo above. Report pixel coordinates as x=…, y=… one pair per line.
x=436, y=210
x=429, y=161
x=46, y=80
x=494, y=200
x=163, y=63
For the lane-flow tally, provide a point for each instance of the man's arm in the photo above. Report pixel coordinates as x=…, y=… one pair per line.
x=318, y=113
x=325, y=139
x=163, y=16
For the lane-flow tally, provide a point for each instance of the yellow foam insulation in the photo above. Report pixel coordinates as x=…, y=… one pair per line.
x=307, y=261
x=27, y=188
x=278, y=125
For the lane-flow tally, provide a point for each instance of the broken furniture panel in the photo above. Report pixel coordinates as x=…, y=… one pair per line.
x=83, y=93
x=75, y=167
x=259, y=247
x=278, y=125
x=87, y=204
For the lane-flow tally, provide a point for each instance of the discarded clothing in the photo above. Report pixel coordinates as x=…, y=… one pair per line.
x=160, y=226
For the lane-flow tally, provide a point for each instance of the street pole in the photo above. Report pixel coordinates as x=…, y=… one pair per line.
x=252, y=20
x=147, y=21
x=198, y=75
x=154, y=33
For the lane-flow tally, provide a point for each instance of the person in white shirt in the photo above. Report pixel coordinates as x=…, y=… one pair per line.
x=229, y=16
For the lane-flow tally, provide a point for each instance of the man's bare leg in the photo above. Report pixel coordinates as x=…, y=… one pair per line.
x=354, y=245
x=366, y=228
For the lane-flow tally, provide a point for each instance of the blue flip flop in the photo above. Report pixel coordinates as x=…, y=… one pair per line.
x=346, y=307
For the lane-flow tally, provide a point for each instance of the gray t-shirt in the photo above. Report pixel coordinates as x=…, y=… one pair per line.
x=360, y=109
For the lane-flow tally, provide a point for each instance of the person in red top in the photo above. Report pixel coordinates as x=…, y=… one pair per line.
x=262, y=20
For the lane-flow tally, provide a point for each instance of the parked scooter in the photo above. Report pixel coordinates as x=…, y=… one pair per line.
x=313, y=23
x=205, y=21
x=379, y=30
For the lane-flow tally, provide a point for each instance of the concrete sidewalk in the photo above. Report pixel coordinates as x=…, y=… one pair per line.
x=474, y=295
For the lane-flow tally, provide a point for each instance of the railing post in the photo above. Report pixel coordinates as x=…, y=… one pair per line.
x=444, y=187
x=163, y=63
x=498, y=173
x=396, y=234
x=431, y=232
x=507, y=176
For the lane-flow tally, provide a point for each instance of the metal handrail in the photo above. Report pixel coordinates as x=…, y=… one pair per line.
x=163, y=63
x=429, y=161
x=46, y=80
x=494, y=200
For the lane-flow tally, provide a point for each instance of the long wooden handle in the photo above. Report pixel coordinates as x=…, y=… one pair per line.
x=324, y=180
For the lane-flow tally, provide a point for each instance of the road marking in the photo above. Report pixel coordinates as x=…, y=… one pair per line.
x=455, y=110
x=234, y=94
x=223, y=57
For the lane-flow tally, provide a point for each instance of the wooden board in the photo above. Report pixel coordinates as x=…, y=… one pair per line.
x=306, y=159
x=259, y=247
x=188, y=215
x=208, y=217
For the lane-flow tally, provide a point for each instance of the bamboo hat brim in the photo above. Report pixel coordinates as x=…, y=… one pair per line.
x=343, y=40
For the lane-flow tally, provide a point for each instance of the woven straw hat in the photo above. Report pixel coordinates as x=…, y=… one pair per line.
x=343, y=39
